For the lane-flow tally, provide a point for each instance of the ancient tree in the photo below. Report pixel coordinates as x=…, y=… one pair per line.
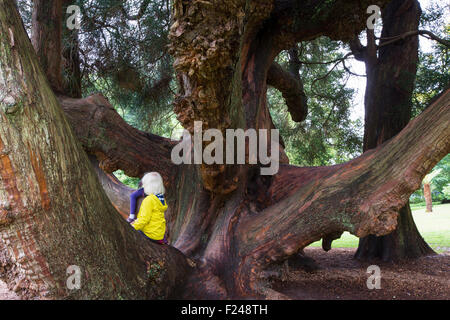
x=53, y=211
x=230, y=222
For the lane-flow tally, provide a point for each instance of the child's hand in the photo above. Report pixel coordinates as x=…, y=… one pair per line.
x=131, y=220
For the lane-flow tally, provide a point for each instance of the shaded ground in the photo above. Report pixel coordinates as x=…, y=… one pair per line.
x=342, y=277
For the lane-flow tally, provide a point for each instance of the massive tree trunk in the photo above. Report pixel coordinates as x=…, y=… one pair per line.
x=233, y=222
x=53, y=211
x=391, y=71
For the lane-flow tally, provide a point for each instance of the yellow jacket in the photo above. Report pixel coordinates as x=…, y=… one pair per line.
x=150, y=219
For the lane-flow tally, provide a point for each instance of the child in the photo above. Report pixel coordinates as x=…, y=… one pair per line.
x=150, y=220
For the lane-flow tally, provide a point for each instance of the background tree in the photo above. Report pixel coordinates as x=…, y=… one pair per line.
x=433, y=69
x=122, y=52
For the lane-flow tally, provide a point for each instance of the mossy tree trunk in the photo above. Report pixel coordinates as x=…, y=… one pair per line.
x=53, y=211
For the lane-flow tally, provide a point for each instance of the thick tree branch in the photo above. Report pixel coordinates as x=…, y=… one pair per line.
x=293, y=22
x=291, y=89
x=117, y=192
x=116, y=144
x=57, y=213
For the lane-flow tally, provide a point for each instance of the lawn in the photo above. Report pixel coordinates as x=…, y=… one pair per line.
x=434, y=228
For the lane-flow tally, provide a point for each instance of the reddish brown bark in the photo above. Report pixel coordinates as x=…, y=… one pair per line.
x=117, y=192
x=53, y=212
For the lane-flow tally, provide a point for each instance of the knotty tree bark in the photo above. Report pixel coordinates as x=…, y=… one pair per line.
x=232, y=222
x=391, y=72
x=53, y=211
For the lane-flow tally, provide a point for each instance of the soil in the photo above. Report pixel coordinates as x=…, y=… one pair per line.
x=340, y=277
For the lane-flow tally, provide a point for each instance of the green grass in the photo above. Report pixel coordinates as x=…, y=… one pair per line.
x=422, y=205
x=129, y=181
x=434, y=228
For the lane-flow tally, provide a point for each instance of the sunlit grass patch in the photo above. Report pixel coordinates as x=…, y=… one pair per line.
x=434, y=228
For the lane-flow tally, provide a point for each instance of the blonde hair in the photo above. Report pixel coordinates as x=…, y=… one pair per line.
x=152, y=182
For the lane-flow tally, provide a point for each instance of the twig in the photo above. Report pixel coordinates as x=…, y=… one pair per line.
x=423, y=33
